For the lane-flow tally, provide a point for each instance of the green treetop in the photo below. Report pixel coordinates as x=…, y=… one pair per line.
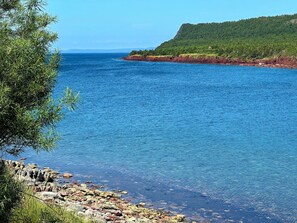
x=28, y=74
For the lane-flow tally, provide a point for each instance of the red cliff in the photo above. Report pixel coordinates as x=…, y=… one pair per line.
x=275, y=62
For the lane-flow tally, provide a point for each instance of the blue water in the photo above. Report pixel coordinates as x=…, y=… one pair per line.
x=228, y=133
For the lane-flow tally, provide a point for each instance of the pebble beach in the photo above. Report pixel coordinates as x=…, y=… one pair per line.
x=87, y=200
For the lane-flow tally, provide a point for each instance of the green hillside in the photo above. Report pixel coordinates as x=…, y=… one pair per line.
x=256, y=38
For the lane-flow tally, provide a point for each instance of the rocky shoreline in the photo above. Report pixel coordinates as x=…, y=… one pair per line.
x=86, y=200
x=275, y=62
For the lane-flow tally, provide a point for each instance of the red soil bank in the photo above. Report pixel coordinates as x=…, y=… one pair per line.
x=277, y=62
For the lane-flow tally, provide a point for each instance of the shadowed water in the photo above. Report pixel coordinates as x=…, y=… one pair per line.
x=200, y=139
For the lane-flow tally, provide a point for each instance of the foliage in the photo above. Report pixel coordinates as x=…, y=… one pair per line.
x=32, y=210
x=256, y=38
x=28, y=74
x=10, y=193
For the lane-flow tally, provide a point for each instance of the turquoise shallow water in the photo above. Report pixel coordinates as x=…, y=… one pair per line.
x=226, y=132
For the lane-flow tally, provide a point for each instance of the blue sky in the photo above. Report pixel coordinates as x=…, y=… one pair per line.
x=116, y=24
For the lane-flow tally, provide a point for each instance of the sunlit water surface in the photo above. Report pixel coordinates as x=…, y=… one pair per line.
x=201, y=134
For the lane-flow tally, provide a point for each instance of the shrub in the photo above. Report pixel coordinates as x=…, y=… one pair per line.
x=10, y=192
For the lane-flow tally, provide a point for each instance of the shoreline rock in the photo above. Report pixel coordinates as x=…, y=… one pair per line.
x=86, y=200
x=273, y=63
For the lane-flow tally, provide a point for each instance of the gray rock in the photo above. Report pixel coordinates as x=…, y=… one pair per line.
x=48, y=177
x=30, y=173
x=131, y=220
x=80, y=213
x=89, y=212
x=32, y=165
x=24, y=173
x=40, y=176
x=144, y=220
x=180, y=217
x=75, y=208
x=47, y=194
x=35, y=173
x=109, y=206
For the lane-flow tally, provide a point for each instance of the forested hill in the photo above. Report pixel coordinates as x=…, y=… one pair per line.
x=264, y=37
x=257, y=27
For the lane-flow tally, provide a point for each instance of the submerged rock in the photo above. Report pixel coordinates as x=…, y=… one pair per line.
x=67, y=175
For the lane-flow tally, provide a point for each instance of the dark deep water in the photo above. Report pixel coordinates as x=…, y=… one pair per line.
x=219, y=142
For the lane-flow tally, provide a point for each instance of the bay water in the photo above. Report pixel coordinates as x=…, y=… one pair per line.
x=214, y=142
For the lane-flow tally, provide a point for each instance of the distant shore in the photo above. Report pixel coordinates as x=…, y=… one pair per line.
x=274, y=62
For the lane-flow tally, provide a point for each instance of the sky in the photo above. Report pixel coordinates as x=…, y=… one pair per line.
x=120, y=24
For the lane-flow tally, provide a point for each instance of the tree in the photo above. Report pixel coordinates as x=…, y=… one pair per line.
x=28, y=74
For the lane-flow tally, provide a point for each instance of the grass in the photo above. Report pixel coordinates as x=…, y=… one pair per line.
x=33, y=210
x=19, y=205
x=197, y=55
x=160, y=56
